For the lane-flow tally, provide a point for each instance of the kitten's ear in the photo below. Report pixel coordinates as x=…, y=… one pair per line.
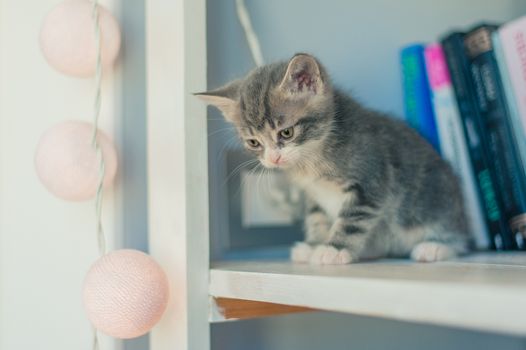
x=226, y=99
x=303, y=77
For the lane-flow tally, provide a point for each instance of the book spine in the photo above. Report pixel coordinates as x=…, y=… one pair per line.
x=515, y=116
x=513, y=39
x=453, y=143
x=417, y=95
x=458, y=65
x=506, y=165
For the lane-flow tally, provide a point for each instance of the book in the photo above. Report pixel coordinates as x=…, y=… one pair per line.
x=513, y=40
x=453, y=144
x=459, y=68
x=417, y=95
x=505, y=164
x=506, y=73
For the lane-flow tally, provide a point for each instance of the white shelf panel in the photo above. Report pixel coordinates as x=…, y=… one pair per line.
x=483, y=292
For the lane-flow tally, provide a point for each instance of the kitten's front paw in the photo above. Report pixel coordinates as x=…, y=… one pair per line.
x=301, y=252
x=329, y=255
x=432, y=251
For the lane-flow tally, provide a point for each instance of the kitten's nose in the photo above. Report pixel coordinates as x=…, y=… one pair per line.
x=274, y=157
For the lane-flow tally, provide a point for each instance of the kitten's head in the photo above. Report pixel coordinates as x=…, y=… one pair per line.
x=282, y=111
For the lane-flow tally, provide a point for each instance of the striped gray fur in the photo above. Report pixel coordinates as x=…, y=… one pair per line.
x=375, y=187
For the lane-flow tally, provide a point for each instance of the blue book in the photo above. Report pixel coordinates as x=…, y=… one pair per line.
x=417, y=94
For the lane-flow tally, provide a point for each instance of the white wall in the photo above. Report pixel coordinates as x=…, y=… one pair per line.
x=46, y=244
x=358, y=41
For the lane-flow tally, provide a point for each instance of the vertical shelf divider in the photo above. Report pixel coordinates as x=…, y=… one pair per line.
x=177, y=168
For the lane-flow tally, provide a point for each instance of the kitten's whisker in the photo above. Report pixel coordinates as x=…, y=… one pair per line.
x=311, y=166
x=229, y=127
x=261, y=173
x=221, y=130
x=250, y=173
x=269, y=187
x=238, y=168
x=217, y=119
x=273, y=189
x=230, y=143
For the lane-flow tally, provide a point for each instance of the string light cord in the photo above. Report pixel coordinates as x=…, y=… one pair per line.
x=101, y=239
x=285, y=197
x=96, y=113
x=252, y=39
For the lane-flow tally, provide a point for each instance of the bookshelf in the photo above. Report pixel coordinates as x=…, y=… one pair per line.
x=484, y=292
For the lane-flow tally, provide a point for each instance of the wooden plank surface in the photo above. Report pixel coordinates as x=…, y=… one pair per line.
x=482, y=292
x=238, y=309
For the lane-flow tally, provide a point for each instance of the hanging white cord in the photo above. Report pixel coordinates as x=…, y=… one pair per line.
x=96, y=112
x=286, y=198
x=252, y=39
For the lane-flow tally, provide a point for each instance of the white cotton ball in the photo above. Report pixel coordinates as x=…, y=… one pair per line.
x=67, y=164
x=67, y=38
x=125, y=293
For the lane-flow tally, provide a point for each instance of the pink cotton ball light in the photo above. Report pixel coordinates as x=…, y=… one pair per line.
x=68, y=165
x=67, y=38
x=125, y=293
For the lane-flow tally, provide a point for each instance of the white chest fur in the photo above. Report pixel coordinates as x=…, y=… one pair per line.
x=327, y=194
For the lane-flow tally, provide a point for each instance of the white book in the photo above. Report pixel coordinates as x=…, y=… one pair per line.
x=513, y=43
x=510, y=50
x=453, y=146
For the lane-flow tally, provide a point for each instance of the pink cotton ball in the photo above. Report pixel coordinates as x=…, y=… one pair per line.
x=67, y=38
x=67, y=164
x=125, y=293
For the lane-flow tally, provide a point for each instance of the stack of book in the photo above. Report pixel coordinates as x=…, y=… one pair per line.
x=467, y=96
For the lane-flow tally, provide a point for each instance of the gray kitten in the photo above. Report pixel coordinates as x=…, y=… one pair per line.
x=375, y=188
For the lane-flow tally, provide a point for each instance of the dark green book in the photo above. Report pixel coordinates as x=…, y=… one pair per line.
x=459, y=67
x=505, y=164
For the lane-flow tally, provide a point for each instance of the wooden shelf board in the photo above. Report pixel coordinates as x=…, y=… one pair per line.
x=482, y=292
x=226, y=309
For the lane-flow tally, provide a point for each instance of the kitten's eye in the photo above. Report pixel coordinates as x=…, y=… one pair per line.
x=253, y=143
x=287, y=133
